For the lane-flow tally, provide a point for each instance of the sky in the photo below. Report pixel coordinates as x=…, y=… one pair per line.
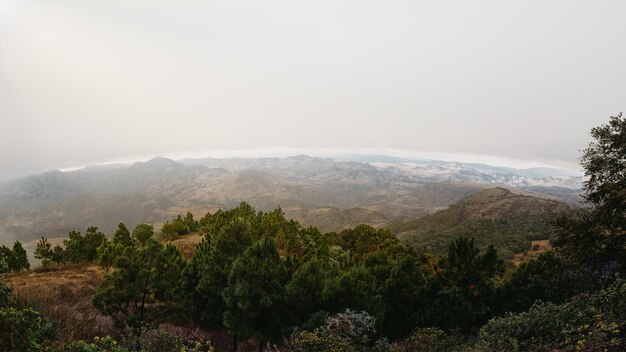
x=520, y=82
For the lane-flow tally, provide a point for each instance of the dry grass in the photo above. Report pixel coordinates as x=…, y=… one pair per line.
x=64, y=294
x=536, y=247
x=187, y=244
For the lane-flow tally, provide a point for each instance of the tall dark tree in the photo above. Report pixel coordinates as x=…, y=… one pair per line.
x=19, y=259
x=43, y=251
x=91, y=241
x=596, y=237
x=74, y=245
x=255, y=294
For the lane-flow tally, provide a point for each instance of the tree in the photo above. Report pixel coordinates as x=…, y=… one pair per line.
x=25, y=330
x=122, y=236
x=213, y=261
x=74, y=247
x=92, y=240
x=255, y=294
x=19, y=258
x=597, y=237
x=107, y=253
x=464, y=266
x=143, y=275
x=14, y=260
x=4, y=264
x=464, y=294
x=43, y=251
x=142, y=233
x=57, y=254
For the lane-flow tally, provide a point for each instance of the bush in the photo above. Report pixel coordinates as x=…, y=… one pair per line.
x=157, y=340
x=427, y=340
x=348, y=331
x=588, y=322
x=24, y=330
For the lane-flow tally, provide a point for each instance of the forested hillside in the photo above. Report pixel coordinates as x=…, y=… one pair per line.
x=499, y=217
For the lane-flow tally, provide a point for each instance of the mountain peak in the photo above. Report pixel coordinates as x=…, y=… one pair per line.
x=158, y=162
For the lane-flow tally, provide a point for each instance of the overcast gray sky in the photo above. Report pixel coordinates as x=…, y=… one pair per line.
x=94, y=81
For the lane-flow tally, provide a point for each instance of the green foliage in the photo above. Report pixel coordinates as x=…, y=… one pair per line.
x=157, y=340
x=179, y=226
x=464, y=294
x=107, y=253
x=5, y=295
x=509, y=235
x=464, y=266
x=142, y=276
x=595, y=237
x=74, y=247
x=142, y=233
x=594, y=322
x=347, y=331
x=99, y=344
x=79, y=248
x=57, y=254
x=122, y=237
x=43, y=251
x=427, y=340
x=92, y=240
x=255, y=295
x=13, y=260
x=24, y=330
x=4, y=264
x=547, y=278
x=361, y=240
x=19, y=259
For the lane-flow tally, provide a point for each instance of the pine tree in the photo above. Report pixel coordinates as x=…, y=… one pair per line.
x=122, y=236
x=256, y=293
x=143, y=275
x=43, y=251
x=19, y=258
x=143, y=233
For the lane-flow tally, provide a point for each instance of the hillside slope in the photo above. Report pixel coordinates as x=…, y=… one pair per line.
x=508, y=220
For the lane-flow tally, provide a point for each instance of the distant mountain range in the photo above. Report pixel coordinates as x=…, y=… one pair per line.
x=330, y=194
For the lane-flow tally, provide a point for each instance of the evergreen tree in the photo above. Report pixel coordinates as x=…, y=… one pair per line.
x=74, y=245
x=256, y=293
x=57, y=254
x=122, y=236
x=19, y=258
x=595, y=237
x=143, y=233
x=107, y=253
x=43, y=251
x=92, y=240
x=214, y=260
x=143, y=275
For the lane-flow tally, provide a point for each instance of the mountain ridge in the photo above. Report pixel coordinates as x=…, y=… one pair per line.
x=156, y=190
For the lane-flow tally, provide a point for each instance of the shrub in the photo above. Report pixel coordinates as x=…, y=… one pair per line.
x=24, y=330
x=347, y=331
x=588, y=322
x=427, y=340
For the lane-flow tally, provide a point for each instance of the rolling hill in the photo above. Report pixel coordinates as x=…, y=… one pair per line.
x=508, y=219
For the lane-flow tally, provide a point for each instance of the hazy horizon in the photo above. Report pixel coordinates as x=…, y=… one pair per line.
x=512, y=83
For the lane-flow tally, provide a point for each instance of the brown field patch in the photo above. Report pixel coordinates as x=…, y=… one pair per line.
x=63, y=293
